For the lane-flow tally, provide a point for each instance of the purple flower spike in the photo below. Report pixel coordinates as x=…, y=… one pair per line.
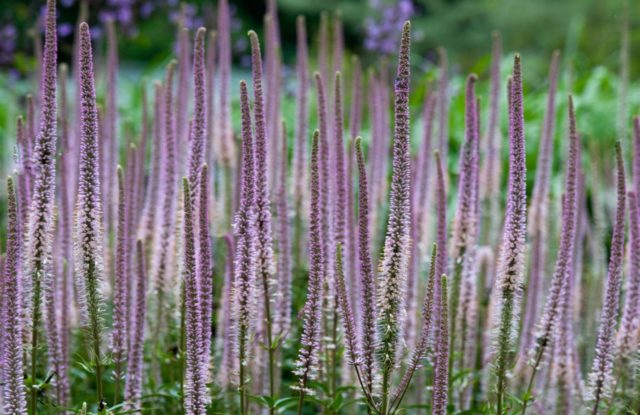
x=564, y=260
x=302, y=114
x=443, y=105
x=626, y=339
x=15, y=402
x=346, y=311
x=40, y=227
x=182, y=96
x=225, y=132
x=153, y=186
x=265, y=266
x=244, y=231
x=538, y=213
x=88, y=225
x=109, y=126
x=511, y=261
x=394, y=263
x=198, y=134
x=636, y=155
x=225, y=318
x=211, y=73
x=491, y=177
x=133, y=387
x=205, y=266
x=427, y=326
x=283, y=317
x=340, y=182
x=169, y=189
x=120, y=322
x=195, y=398
x=441, y=376
x=367, y=303
x=307, y=363
x=600, y=377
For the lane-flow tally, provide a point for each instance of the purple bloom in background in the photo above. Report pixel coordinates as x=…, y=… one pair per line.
x=8, y=37
x=382, y=26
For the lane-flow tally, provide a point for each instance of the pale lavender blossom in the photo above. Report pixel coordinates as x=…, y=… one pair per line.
x=307, y=362
x=40, y=228
x=441, y=376
x=120, y=307
x=511, y=262
x=538, y=213
x=627, y=339
x=395, y=257
x=199, y=129
x=14, y=391
x=367, y=304
x=244, y=231
x=135, y=363
x=564, y=260
x=195, y=390
x=88, y=225
x=302, y=114
x=600, y=377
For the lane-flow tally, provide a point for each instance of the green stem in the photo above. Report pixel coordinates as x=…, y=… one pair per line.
x=503, y=349
x=334, y=358
x=527, y=396
x=300, y=402
x=385, y=391
x=117, y=378
x=241, y=376
x=270, y=346
x=98, y=363
x=183, y=344
x=455, y=296
x=34, y=356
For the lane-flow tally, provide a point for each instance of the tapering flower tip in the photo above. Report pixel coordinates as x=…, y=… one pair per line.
x=564, y=260
x=441, y=215
x=199, y=126
x=394, y=266
x=12, y=364
x=600, y=377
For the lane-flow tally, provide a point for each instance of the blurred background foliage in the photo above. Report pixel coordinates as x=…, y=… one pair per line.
x=588, y=31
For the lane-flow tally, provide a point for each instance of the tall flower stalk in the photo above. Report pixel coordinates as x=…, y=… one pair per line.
x=88, y=225
x=441, y=376
x=195, y=389
x=245, y=250
x=511, y=262
x=38, y=250
x=264, y=243
x=538, y=213
x=133, y=386
x=600, y=377
x=367, y=280
x=119, y=335
x=564, y=261
x=307, y=362
x=394, y=263
x=14, y=402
